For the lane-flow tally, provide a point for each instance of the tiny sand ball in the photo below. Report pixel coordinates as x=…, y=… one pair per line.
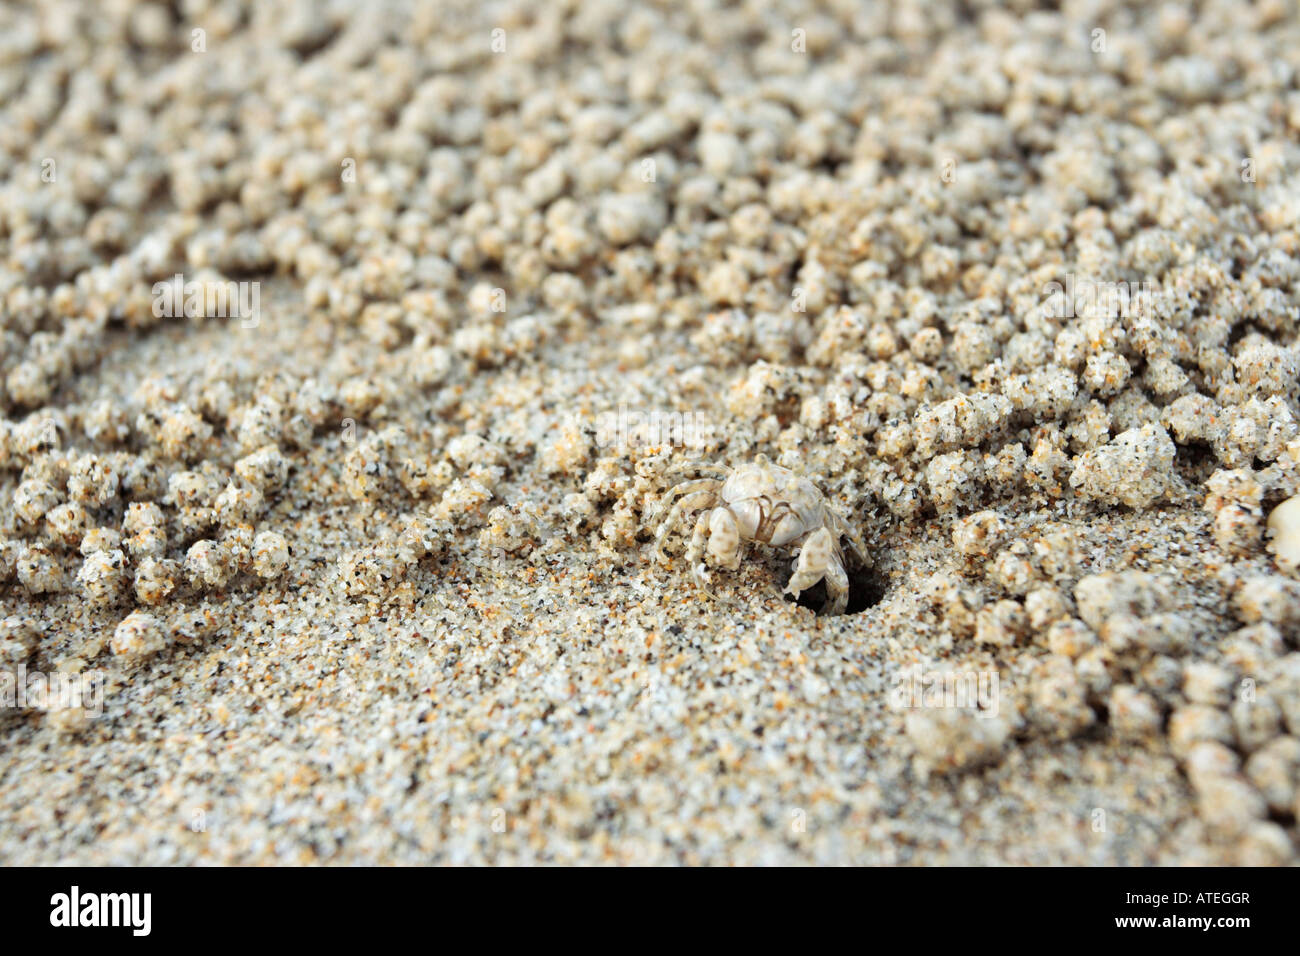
x=209, y=563
x=956, y=740
x=103, y=575
x=190, y=488
x=265, y=469
x=1209, y=684
x=978, y=534
x=578, y=511
x=1045, y=605
x=270, y=554
x=239, y=503
x=18, y=640
x=140, y=635
x=145, y=529
x=93, y=481
x=100, y=539
x=469, y=451
x=32, y=499
x=1264, y=843
x=38, y=570
x=1135, y=469
x=1237, y=531
x=1269, y=598
x=155, y=579
x=1001, y=624
x=184, y=434
x=1194, y=723
x=1229, y=805
x=1070, y=637
x=462, y=503
x=66, y=523
x=10, y=548
x=1134, y=715
x=1257, y=721
x=106, y=422
x=1209, y=761
x=567, y=451
x=1275, y=770
x=1060, y=703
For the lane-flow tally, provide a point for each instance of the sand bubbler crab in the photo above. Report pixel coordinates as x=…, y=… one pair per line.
x=766, y=503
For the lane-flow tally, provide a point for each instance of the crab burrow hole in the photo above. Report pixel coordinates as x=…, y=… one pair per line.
x=867, y=588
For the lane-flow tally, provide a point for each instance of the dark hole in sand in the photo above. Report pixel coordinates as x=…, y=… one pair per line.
x=866, y=589
x=1196, y=461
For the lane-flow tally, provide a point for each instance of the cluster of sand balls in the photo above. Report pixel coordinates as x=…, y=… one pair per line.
x=1117, y=645
x=845, y=224
x=121, y=527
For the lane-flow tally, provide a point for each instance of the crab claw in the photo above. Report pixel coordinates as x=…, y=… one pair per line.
x=814, y=557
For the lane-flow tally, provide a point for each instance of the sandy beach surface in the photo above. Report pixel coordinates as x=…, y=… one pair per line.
x=351, y=352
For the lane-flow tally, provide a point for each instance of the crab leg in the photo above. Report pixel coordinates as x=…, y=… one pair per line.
x=724, y=538
x=695, y=553
x=687, y=499
x=837, y=587
x=677, y=491
x=842, y=527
